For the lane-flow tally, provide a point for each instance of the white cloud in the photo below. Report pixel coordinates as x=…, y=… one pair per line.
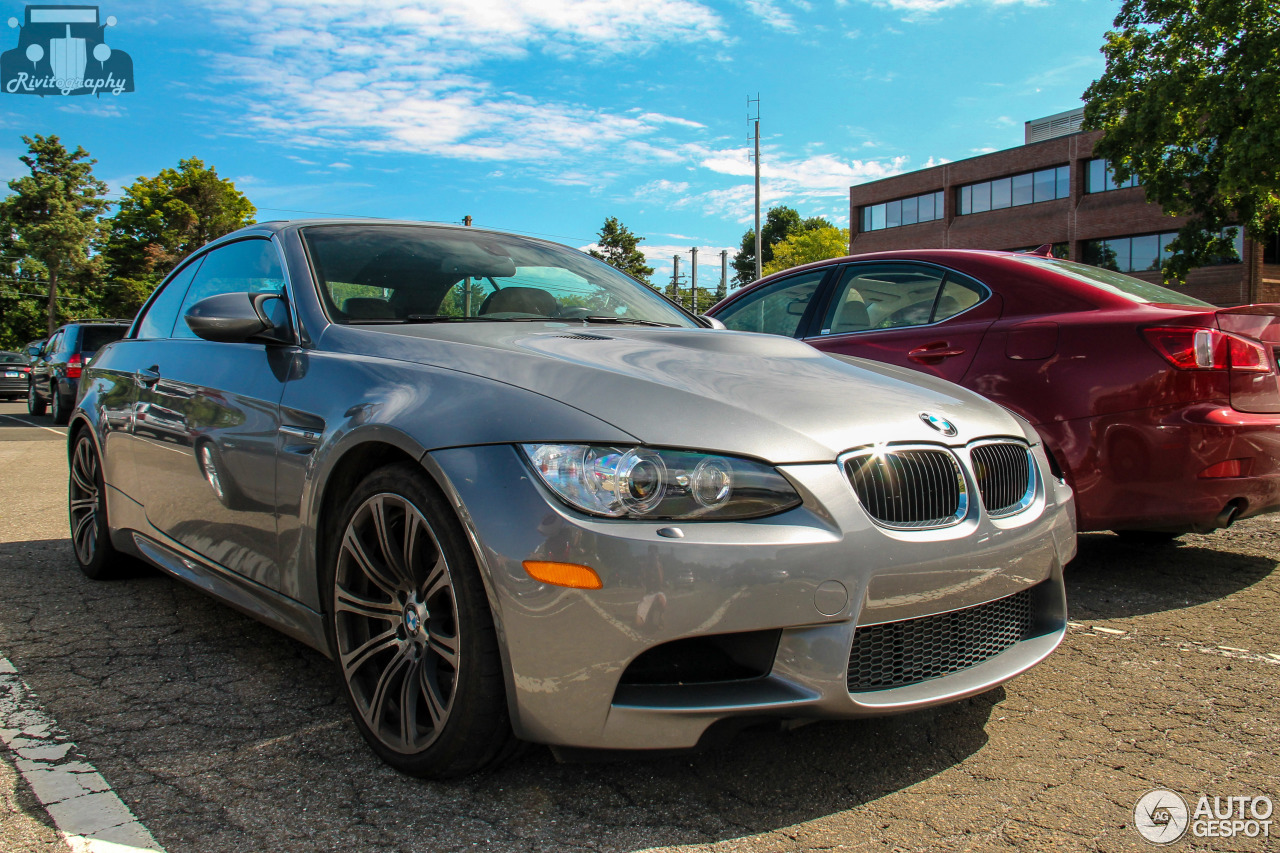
x=662, y=190
x=406, y=75
x=659, y=118
x=916, y=9
x=767, y=11
x=97, y=109
x=808, y=183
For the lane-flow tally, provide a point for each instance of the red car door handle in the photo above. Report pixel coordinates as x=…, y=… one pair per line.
x=932, y=351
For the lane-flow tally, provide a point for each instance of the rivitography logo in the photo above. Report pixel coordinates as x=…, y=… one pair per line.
x=63, y=50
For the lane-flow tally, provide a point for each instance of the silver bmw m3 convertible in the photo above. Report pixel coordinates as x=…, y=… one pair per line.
x=515, y=494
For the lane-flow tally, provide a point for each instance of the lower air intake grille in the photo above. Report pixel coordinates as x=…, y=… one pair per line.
x=896, y=654
x=909, y=488
x=1004, y=477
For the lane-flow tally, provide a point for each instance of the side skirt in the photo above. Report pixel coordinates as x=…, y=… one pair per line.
x=280, y=612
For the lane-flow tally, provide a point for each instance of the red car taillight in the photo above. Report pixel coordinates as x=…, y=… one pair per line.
x=75, y=365
x=1191, y=348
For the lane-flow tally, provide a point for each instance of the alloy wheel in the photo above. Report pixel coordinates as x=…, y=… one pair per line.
x=83, y=501
x=396, y=623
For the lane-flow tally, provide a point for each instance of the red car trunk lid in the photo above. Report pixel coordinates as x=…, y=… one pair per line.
x=1253, y=391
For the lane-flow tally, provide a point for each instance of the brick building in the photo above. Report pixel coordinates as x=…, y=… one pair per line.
x=1050, y=190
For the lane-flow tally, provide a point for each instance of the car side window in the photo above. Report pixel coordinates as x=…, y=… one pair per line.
x=163, y=310
x=891, y=296
x=53, y=344
x=777, y=308
x=882, y=296
x=959, y=294
x=248, y=266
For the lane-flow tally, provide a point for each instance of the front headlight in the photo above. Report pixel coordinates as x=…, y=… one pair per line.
x=641, y=482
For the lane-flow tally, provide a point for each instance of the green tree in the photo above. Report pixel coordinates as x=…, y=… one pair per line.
x=1188, y=103
x=52, y=216
x=620, y=248
x=807, y=246
x=162, y=220
x=779, y=224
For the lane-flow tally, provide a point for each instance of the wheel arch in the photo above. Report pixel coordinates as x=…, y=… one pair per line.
x=355, y=458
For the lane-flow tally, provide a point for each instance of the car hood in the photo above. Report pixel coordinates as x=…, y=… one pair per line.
x=764, y=396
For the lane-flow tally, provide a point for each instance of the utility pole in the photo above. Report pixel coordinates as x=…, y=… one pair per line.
x=466, y=286
x=723, y=290
x=756, y=157
x=693, y=281
x=675, y=278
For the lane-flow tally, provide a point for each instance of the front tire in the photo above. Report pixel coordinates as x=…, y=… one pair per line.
x=411, y=632
x=35, y=406
x=87, y=508
x=61, y=410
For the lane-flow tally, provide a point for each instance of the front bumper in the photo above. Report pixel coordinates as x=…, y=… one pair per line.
x=813, y=575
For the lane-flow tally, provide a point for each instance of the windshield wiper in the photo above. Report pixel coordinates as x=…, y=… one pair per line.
x=623, y=321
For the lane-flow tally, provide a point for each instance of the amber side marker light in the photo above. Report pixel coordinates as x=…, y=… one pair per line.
x=563, y=574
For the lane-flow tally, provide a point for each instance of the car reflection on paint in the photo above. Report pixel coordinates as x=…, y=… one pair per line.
x=514, y=494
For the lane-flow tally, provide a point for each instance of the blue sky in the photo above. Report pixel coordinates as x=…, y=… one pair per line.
x=546, y=116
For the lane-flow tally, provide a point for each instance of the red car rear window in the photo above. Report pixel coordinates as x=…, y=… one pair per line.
x=1116, y=283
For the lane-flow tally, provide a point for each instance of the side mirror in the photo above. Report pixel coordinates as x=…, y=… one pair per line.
x=711, y=322
x=240, y=318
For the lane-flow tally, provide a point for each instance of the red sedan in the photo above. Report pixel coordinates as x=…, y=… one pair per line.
x=1162, y=411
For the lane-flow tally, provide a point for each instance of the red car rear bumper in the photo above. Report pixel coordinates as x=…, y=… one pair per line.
x=1142, y=470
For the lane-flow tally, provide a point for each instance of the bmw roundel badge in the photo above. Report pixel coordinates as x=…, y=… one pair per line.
x=942, y=425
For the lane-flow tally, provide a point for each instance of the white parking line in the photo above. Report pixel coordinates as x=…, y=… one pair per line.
x=89, y=815
x=32, y=426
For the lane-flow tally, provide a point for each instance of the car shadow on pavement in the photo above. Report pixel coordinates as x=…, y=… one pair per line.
x=222, y=734
x=1111, y=578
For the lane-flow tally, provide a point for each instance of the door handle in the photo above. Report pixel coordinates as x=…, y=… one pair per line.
x=930, y=352
x=148, y=376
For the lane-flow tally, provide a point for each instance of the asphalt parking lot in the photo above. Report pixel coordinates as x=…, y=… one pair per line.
x=222, y=735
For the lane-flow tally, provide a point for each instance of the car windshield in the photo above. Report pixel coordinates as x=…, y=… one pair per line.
x=419, y=274
x=1119, y=284
x=11, y=358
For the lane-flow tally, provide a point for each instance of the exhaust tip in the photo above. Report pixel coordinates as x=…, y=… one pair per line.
x=1228, y=515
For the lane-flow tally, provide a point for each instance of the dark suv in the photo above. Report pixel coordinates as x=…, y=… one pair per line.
x=55, y=371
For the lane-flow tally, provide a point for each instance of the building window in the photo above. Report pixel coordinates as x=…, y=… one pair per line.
x=904, y=211
x=1015, y=191
x=1143, y=252
x=1101, y=179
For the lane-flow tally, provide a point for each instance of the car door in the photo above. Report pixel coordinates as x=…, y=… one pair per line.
x=782, y=307
x=920, y=316
x=206, y=422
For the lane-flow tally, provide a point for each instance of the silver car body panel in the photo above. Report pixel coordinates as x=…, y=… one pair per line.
x=458, y=398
